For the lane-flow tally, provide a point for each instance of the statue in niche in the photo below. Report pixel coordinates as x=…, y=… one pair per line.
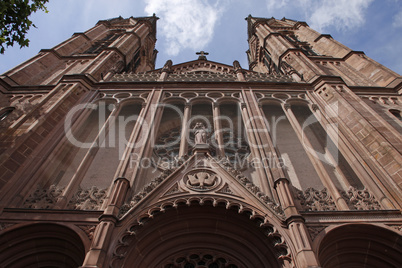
x=200, y=133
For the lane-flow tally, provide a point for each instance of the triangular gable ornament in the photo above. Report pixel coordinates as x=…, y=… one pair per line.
x=200, y=178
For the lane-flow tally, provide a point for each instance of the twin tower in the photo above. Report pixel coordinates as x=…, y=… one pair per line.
x=106, y=161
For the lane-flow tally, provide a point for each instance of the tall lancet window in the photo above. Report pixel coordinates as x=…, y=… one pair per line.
x=168, y=136
x=325, y=149
x=111, y=146
x=297, y=165
x=235, y=143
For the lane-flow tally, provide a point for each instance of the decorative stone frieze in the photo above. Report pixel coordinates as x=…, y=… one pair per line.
x=43, y=198
x=316, y=200
x=88, y=199
x=361, y=199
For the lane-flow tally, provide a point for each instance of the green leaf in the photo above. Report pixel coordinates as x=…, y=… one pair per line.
x=14, y=22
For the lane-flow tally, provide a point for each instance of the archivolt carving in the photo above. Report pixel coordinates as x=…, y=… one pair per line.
x=43, y=198
x=262, y=220
x=315, y=200
x=361, y=199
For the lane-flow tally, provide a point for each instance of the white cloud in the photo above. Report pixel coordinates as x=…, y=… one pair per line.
x=276, y=4
x=397, y=23
x=341, y=14
x=185, y=23
x=322, y=14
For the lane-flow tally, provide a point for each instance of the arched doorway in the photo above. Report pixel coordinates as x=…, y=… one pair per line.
x=360, y=246
x=202, y=236
x=40, y=246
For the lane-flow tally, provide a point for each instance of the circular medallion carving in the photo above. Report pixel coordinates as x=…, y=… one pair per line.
x=201, y=180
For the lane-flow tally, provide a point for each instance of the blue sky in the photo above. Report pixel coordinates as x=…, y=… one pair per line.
x=218, y=26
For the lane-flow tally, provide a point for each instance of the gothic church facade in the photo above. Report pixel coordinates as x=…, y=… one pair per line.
x=106, y=161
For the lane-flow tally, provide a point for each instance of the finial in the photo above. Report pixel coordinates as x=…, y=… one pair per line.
x=202, y=55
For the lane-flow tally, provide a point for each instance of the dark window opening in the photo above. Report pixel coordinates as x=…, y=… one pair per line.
x=396, y=113
x=6, y=112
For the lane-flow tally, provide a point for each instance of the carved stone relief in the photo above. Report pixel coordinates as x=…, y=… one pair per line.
x=201, y=180
x=225, y=189
x=225, y=163
x=315, y=230
x=145, y=191
x=315, y=200
x=89, y=230
x=43, y=198
x=361, y=199
x=88, y=199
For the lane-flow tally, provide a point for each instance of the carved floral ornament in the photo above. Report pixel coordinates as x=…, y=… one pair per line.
x=201, y=180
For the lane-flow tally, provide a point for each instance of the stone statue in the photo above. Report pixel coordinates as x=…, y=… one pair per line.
x=200, y=133
x=168, y=66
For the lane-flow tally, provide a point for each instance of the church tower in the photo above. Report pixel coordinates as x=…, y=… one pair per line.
x=107, y=161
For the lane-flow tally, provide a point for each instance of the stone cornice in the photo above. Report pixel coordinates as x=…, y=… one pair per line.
x=81, y=34
x=51, y=215
x=352, y=216
x=351, y=53
x=73, y=57
x=321, y=36
x=326, y=79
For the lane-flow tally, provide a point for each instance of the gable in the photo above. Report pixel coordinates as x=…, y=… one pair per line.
x=201, y=178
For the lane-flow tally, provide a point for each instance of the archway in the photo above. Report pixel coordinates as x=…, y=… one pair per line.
x=359, y=245
x=40, y=246
x=202, y=236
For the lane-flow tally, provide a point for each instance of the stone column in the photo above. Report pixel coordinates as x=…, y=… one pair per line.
x=117, y=196
x=304, y=256
x=220, y=151
x=103, y=232
x=98, y=252
x=330, y=158
x=256, y=153
x=318, y=165
x=285, y=197
x=185, y=130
